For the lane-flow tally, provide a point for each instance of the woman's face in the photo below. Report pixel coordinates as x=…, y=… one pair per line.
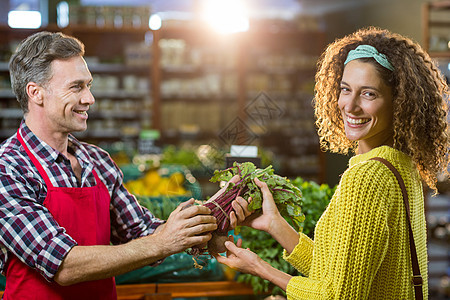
x=365, y=102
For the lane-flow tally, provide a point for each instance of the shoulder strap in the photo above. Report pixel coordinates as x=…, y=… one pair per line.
x=34, y=160
x=417, y=278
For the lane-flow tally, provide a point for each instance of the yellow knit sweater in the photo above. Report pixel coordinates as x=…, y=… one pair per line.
x=361, y=244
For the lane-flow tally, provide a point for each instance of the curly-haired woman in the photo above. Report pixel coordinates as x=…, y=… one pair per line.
x=378, y=94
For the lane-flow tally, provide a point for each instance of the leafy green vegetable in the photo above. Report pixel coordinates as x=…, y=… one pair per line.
x=186, y=157
x=286, y=195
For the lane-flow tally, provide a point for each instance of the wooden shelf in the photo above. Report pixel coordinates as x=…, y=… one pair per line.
x=439, y=54
x=428, y=23
x=7, y=94
x=119, y=94
x=184, y=290
x=116, y=68
x=443, y=5
x=168, y=291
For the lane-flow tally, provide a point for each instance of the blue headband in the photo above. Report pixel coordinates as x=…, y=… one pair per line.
x=363, y=51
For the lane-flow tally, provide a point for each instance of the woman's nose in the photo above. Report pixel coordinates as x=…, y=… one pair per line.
x=352, y=103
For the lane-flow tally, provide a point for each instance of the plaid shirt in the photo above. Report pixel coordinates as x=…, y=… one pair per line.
x=28, y=230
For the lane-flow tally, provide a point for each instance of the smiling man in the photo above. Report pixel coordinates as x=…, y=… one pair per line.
x=68, y=224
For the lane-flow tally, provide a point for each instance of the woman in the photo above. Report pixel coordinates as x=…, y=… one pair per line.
x=378, y=94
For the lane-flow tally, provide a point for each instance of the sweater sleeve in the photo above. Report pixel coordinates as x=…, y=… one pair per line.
x=356, y=238
x=301, y=256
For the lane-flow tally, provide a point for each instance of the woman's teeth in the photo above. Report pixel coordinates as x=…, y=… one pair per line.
x=357, y=121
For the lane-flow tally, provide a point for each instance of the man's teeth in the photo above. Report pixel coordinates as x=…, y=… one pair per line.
x=81, y=112
x=357, y=121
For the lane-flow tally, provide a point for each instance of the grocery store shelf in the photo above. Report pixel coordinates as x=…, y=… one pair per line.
x=4, y=66
x=117, y=114
x=101, y=134
x=116, y=68
x=7, y=94
x=11, y=113
x=440, y=54
x=119, y=94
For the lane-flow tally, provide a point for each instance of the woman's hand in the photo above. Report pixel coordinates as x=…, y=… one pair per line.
x=240, y=205
x=270, y=213
x=246, y=261
x=237, y=258
x=240, y=213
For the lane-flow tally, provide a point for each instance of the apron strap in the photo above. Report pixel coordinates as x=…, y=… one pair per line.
x=97, y=179
x=34, y=160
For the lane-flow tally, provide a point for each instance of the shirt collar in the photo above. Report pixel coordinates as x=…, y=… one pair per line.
x=80, y=151
x=45, y=152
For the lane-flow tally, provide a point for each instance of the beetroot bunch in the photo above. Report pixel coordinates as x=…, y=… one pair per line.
x=285, y=194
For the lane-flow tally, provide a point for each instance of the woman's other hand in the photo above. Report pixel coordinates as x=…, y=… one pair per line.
x=246, y=261
x=240, y=259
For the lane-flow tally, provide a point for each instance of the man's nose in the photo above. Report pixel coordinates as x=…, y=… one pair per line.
x=88, y=98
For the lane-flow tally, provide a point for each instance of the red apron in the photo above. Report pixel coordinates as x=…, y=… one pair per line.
x=84, y=213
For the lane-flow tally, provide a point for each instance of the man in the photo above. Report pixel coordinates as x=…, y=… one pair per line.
x=68, y=224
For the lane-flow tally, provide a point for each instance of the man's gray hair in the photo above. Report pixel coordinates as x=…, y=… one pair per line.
x=32, y=60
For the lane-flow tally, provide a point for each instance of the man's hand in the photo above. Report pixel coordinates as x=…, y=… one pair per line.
x=188, y=225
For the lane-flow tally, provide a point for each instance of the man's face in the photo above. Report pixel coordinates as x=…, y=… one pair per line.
x=67, y=96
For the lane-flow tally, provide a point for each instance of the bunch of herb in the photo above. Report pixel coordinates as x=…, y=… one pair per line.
x=285, y=194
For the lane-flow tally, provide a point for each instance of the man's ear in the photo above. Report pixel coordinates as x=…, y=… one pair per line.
x=35, y=93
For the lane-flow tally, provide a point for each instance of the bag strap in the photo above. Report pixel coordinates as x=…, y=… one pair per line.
x=417, y=278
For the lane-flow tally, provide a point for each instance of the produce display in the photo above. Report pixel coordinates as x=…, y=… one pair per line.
x=287, y=197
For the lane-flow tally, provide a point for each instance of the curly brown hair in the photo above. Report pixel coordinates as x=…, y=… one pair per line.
x=420, y=96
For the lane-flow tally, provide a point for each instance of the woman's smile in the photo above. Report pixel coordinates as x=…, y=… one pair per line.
x=365, y=102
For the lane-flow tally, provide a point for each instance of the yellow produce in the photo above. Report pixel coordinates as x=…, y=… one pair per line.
x=153, y=185
x=177, y=178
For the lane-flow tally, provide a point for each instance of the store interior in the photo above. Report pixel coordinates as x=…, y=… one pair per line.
x=178, y=83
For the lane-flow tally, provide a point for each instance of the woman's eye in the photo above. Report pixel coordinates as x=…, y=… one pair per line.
x=369, y=94
x=344, y=89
